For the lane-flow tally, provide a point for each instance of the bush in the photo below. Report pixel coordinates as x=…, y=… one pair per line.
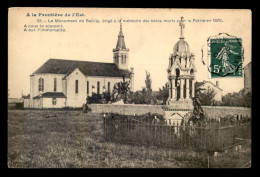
x=17, y=106
x=96, y=98
x=86, y=108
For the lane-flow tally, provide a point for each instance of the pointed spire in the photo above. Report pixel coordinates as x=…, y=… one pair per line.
x=182, y=25
x=120, y=42
x=121, y=31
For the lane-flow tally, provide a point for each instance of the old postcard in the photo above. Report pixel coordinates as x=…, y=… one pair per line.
x=129, y=88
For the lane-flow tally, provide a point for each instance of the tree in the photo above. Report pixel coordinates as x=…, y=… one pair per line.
x=137, y=97
x=145, y=95
x=206, y=97
x=121, y=90
x=240, y=98
x=147, y=91
x=248, y=99
x=163, y=93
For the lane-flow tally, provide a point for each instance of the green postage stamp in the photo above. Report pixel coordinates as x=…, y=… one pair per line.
x=226, y=56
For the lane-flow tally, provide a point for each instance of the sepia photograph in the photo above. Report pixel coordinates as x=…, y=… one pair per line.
x=129, y=88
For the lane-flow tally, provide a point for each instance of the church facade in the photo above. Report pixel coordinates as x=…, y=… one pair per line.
x=62, y=83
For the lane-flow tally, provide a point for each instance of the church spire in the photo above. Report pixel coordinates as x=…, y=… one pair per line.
x=121, y=31
x=120, y=42
x=120, y=53
x=182, y=25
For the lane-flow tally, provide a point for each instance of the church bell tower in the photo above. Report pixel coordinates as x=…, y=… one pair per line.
x=120, y=53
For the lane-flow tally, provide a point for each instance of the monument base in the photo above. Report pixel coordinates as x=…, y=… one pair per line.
x=175, y=111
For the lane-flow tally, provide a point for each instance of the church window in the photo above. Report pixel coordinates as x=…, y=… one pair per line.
x=108, y=86
x=87, y=87
x=98, y=87
x=55, y=85
x=76, y=86
x=54, y=101
x=122, y=59
x=125, y=59
x=41, y=84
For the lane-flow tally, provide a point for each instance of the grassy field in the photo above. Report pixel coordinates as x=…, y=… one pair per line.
x=72, y=139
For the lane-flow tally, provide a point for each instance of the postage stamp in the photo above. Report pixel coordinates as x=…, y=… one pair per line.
x=225, y=56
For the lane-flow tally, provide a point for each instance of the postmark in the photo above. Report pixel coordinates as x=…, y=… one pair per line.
x=225, y=56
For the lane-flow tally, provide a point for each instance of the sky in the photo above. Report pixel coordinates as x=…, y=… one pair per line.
x=150, y=43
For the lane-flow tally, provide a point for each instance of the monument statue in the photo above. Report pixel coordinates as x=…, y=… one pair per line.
x=181, y=79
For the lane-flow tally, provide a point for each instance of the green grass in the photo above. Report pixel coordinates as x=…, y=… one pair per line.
x=72, y=139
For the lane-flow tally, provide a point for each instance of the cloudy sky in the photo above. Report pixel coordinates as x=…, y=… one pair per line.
x=150, y=43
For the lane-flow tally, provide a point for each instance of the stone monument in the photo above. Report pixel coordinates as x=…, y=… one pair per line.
x=181, y=80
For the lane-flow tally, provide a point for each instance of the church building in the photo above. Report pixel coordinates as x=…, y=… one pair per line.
x=67, y=83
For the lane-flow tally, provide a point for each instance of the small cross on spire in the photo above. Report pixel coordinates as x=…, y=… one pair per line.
x=182, y=25
x=121, y=31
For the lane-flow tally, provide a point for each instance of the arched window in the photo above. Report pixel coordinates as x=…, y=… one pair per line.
x=76, y=86
x=116, y=58
x=87, y=87
x=98, y=87
x=41, y=84
x=191, y=72
x=122, y=59
x=55, y=85
x=177, y=72
x=108, y=86
x=177, y=82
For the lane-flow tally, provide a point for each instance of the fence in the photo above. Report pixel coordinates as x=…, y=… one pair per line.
x=145, y=130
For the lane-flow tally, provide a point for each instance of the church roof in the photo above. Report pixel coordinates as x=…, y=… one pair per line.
x=88, y=68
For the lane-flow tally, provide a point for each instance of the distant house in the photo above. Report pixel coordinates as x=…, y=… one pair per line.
x=206, y=85
x=26, y=101
x=248, y=77
x=15, y=103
